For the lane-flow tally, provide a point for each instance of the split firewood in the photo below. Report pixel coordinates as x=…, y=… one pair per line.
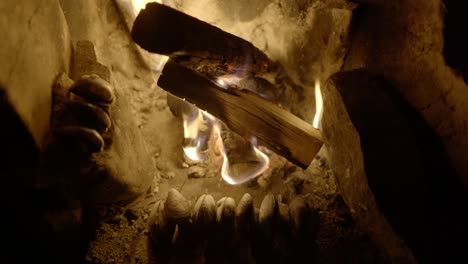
x=164, y=30
x=213, y=53
x=232, y=62
x=246, y=114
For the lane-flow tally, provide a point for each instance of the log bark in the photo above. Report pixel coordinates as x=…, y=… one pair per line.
x=246, y=114
x=206, y=48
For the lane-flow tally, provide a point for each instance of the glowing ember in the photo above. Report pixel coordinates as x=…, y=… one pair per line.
x=194, y=138
x=228, y=80
x=318, y=105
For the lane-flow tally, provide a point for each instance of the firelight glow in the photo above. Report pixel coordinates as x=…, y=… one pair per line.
x=228, y=80
x=191, y=132
x=192, y=126
x=140, y=4
x=226, y=172
x=318, y=105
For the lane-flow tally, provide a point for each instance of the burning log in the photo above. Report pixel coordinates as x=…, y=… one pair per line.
x=245, y=160
x=246, y=114
x=268, y=218
x=238, y=149
x=189, y=41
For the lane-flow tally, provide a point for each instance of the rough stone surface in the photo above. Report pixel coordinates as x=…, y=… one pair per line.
x=117, y=240
x=125, y=168
x=403, y=190
x=308, y=38
x=86, y=63
x=343, y=145
x=122, y=169
x=403, y=41
x=35, y=48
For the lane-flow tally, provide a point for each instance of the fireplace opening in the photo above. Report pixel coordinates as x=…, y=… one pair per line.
x=273, y=131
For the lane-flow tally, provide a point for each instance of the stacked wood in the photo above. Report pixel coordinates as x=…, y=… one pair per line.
x=187, y=40
x=200, y=54
x=246, y=114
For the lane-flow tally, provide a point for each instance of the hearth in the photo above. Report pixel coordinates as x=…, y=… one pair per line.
x=269, y=131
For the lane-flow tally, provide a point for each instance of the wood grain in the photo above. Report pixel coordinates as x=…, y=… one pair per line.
x=197, y=44
x=246, y=114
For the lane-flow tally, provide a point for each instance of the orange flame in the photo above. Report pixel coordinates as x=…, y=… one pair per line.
x=318, y=105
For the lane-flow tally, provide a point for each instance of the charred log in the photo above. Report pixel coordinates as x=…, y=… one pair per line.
x=246, y=114
x=163, y=30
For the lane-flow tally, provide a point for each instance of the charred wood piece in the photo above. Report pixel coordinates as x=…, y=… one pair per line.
x=246, y=113
x=164, y=30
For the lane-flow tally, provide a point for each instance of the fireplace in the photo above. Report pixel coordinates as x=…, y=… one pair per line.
x=268, y=131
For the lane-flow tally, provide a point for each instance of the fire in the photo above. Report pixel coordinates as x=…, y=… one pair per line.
x=318, y=105
x=194, y=138
x=228, y=80
x=192, y=150
x=227, y=174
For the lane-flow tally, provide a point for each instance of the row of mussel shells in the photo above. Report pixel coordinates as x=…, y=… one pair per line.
x=223, y=230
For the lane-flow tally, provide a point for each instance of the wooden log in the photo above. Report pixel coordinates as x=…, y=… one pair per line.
x=197, y=44
x=246, y=114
